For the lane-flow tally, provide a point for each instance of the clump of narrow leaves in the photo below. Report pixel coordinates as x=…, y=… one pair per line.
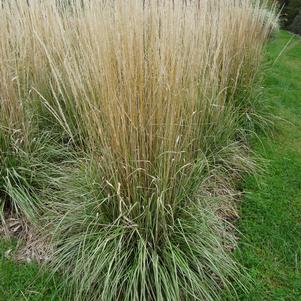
x=125, y=108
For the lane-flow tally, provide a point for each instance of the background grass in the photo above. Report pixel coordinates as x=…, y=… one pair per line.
x=23, y=281
x=270, y=213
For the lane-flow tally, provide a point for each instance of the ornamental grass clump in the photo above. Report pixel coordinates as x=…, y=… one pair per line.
x=149, y=100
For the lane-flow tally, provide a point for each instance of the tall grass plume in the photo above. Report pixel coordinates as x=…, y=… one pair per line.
x=150, y=96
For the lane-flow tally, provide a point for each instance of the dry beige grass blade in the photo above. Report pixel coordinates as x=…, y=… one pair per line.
x=146, y=87
x=142, y=85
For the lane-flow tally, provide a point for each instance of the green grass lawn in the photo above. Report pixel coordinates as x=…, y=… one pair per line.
x=270, y=213
x=23, y=281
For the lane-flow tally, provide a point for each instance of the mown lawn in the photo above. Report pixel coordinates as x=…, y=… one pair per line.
x=23, y=281
x=270, y=213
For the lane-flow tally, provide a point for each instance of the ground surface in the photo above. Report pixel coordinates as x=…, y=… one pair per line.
x=270, y=213
x=23, y=281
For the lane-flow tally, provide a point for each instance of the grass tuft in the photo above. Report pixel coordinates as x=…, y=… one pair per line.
x=140, y=103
